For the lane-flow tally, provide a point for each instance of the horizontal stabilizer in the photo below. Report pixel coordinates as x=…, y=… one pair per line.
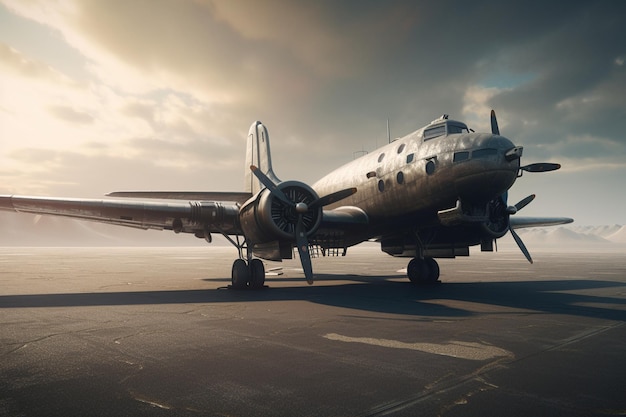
x=237, y=197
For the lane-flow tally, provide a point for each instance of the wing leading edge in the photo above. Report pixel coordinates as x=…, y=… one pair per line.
x=180, y=216
x=237, y=197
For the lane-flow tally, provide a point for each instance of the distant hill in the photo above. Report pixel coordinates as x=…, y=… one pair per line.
x=564, y=238
x=558, y=235
x=618, y=236
x=602, y=231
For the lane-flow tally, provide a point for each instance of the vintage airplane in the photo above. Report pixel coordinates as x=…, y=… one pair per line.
x=430, y=194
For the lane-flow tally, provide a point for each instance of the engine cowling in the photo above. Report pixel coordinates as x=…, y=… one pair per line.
x=498, y=218
x=264, y=219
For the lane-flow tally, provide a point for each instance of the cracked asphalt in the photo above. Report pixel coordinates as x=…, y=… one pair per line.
x=155, y=331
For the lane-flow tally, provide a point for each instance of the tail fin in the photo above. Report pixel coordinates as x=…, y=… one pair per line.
x=258, y=154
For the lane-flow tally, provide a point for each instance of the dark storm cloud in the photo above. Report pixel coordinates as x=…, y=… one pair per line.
x=345, y=67
x=579, y=88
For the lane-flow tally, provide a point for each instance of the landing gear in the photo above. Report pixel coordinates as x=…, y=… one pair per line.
x=257, y=273
x=248, y=275
x=423, y=271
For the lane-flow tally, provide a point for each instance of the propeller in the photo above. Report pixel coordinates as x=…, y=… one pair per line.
x=523, y=203
x=513, y=210
x=536, y=167
x=541, y=167
x=301, y=208
x=494, y=123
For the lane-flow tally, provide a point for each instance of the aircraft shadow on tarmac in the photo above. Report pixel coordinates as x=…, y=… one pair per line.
x=375, y=295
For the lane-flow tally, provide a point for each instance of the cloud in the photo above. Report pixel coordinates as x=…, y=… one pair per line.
x=71, y=115
x=18, y=64
x=83, y=175
x=174, y=85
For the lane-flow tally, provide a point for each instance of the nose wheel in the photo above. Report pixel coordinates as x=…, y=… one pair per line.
x=423, y=271
x=248, y=274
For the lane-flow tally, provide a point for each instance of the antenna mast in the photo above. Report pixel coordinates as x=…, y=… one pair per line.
x=388, y=134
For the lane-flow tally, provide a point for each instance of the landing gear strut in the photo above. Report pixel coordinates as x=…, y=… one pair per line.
x=423, y=271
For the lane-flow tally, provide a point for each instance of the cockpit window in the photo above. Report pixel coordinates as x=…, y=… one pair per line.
x=444, y=129
x=434, y=132
x=456, y=129
x=484, y=153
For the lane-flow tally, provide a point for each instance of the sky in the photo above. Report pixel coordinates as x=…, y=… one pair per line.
x=100, y=96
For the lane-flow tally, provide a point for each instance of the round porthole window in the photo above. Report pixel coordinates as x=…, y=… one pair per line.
x=381, y=186
x=430, y=167
x=400, y=177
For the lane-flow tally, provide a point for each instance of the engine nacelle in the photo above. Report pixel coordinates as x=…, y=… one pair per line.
x=265, y=219
x=498, y=223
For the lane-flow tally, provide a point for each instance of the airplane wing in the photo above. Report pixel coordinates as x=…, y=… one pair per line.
x=238, y=197
x=523, y=222
x=180, y=216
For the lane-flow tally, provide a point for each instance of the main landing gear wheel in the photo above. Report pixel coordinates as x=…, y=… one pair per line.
x=248, y=275
x=240, y=274
x=423, y=271
x=257, y=273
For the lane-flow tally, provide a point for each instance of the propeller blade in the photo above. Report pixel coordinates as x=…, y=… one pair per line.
x=333, y=197
x=303, y=250
x=520, y=244
x=276, y=192
x=523, y=203
x=541, y=167
x=494, y=123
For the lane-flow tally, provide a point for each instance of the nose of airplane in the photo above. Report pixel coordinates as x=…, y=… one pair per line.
x=487, y=168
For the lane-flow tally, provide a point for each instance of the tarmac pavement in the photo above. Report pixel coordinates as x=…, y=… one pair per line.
x=155, y=331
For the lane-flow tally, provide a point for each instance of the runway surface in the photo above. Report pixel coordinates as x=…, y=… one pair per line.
x=154, y=332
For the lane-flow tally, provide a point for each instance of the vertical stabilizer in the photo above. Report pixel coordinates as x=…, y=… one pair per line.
x=258, y=154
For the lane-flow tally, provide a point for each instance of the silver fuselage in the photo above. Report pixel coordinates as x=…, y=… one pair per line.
x=413, y=175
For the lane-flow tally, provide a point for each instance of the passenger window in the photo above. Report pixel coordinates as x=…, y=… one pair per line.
x=381, y=186
x=401, y=148
x=409, y=158
x=461, y=156
x=400, y=177
x=381, y=157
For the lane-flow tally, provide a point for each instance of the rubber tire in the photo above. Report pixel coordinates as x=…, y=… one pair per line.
x=416, y=270
x=433, y=271
x=240, y=276
x=257, y=273
x=423, y=271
